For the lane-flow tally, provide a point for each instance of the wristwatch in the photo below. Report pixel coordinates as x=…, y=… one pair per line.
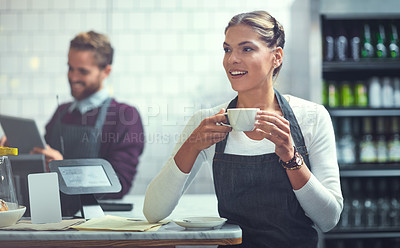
x=295, y=163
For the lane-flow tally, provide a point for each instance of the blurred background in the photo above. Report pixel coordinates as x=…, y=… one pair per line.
x=168, y=61
x=168, y=64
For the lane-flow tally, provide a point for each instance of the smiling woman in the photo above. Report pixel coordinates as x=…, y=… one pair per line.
x=277, y=181
x=248, y=63
x=268, y=29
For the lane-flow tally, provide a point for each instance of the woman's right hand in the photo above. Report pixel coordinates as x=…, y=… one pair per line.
x=205, y=135
x=209, y=132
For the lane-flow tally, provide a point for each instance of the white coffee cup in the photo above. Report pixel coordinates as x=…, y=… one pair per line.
x=241, y=119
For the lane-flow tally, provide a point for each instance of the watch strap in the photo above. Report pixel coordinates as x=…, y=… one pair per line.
x=295, y=163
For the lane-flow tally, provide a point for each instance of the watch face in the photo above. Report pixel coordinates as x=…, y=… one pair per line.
x=299, y=160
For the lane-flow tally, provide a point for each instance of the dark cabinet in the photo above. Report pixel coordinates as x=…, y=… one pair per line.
x=361, y=75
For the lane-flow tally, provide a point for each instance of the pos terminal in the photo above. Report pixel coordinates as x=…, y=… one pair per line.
x=85, y=177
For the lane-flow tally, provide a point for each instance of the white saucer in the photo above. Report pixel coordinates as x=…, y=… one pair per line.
x=195, y=223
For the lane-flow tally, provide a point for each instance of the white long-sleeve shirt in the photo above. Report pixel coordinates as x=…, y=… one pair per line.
x=321, y=197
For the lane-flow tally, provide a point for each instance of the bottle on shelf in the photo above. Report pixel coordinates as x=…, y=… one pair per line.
x=394, y=213
x=381, y=50
x=374, y=93
x=346, y=94
x=345, y=221
x=355, y=41
x=357, y=206
x=341, y=43
x=396, y=92
x=394, y=141
x=329, y=42
x=383, y=204
x=394, y=42
x=370, y=205
x=367, y=145
x=346, y=143
x=381, y=145
x=333, y=94
x=367, y=50
x=387, y=93
x=360, y=94
x=324, y=92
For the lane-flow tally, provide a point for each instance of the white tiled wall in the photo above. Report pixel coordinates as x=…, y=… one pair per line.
x=168, y=61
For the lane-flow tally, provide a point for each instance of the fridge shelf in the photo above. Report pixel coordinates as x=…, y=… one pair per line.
x=362, y=65
x=364, y=234
x=370, y=173
x=360, y=112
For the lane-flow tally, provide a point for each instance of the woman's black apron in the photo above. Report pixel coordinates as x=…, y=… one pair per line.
x=255, y=193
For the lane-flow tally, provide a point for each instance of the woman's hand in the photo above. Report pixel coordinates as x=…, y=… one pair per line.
x=276, y=129
x=205, y=135
x=49, y=153
x=209, y=132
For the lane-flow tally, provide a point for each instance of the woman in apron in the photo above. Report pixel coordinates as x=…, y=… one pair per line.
x=277, y=182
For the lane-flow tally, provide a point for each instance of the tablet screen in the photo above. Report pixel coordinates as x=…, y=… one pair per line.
x=84, y=176
x=21, y=133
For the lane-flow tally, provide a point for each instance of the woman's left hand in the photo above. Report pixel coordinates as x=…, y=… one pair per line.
x=276, y=129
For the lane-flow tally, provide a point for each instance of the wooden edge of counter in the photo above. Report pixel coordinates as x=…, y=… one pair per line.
x=118, y=243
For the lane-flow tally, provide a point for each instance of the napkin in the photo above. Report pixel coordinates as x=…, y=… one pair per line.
x=26, y=225
x=117, y=223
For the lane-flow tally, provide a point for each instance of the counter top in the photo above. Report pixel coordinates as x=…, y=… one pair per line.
x=169, y=234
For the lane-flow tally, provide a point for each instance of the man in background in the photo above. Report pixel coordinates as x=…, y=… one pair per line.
x=93, y=125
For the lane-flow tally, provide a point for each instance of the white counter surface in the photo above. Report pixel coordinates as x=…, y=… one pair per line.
x=189, y=206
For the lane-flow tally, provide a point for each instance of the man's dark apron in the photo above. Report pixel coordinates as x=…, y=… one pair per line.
x=255, y=193
x=78, y=142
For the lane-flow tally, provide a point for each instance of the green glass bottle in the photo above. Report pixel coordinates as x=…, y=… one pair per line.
x=346, y=95
x=394, y=140
x=361, y=94
x=394, y=42
x=324, y=93
x=380, y=142
x=381, y=51
x=367, y=145
x=367, y=50
x=333, y=94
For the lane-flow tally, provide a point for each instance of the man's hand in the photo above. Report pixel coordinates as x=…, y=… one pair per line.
x=3, y=141
x=49, y=153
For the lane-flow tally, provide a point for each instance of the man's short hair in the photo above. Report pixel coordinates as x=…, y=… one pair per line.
x=96, y=42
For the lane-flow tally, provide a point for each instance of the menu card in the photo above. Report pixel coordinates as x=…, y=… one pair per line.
x=116, y=223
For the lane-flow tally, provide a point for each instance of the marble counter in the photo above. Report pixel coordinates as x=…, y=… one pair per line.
x=168, y=231
x=189, y=205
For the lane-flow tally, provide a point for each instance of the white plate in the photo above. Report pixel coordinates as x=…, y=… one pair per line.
x=201, y=222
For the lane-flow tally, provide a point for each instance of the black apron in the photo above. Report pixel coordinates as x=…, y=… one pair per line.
x=255, y=193
x=78, y=142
